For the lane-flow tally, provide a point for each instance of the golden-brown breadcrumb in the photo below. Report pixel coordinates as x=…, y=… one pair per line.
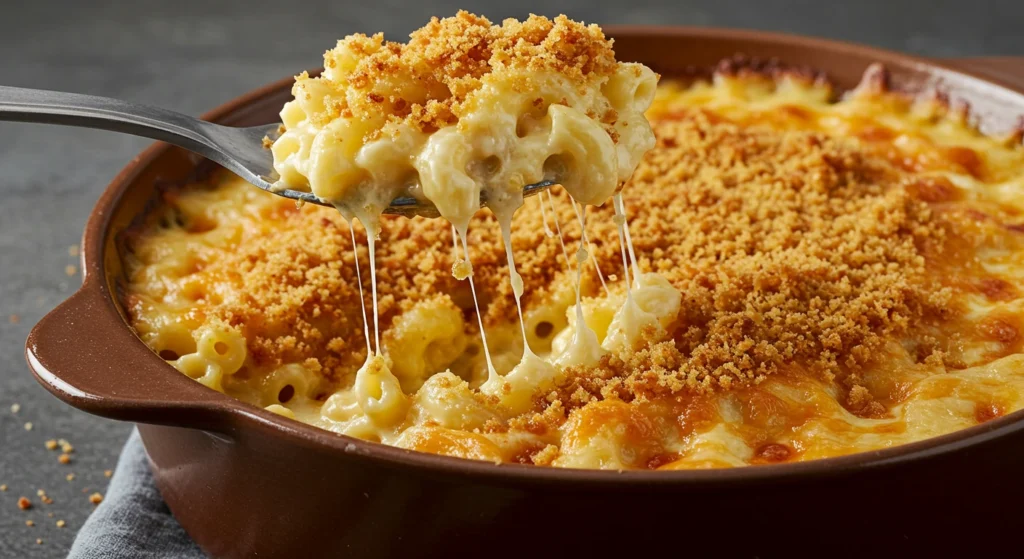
x=445, y=62
x=792, y=250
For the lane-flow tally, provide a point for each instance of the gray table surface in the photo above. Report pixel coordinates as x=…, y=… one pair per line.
x=192, y=55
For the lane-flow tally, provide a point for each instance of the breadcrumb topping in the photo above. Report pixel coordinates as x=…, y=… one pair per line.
x=429, y=81
x=793, y=251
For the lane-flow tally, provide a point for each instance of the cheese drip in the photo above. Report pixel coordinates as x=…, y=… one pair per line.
x=584, y=349
x=368, y=214
x=371, y=243
x=505, y=223
x=359, y=280
x=544, y=216
x=630, y=319
x=620, y=209
x=492, y=373
x=377, y=391
x=590, y=249
x=648, y=304
x=561, y=238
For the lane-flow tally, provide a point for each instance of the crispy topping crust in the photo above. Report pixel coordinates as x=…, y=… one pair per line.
x=429, y=81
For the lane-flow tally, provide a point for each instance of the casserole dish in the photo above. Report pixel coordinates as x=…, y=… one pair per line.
x=245, y=482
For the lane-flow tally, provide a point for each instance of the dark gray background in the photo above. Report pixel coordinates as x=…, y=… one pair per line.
x=191, y=55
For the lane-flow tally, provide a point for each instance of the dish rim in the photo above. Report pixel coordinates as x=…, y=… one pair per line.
x=214, y=411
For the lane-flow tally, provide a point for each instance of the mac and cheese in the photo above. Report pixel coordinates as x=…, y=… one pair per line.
x=807, y=278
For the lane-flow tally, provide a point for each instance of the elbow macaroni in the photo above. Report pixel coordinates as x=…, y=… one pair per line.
x=426, y=339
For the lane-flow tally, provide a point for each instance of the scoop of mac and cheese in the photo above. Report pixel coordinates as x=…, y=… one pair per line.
x=466, y=108
x=469, y=110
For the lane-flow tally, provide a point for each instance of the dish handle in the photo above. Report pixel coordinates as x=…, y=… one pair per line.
x=85, y=354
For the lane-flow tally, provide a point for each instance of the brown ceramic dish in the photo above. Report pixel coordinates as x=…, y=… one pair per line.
x=247, y=483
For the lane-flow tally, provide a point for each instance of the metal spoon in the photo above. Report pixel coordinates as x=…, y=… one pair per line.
x=240, y=150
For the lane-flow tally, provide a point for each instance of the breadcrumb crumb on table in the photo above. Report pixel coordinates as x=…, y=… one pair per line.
x=28, y=426
x=30, y=523
x=15, y=408
x=3, y=487
x=61, y=523
x=51, y=444
x=96, y=498
x=108, y=473
x=64, y=458
x=24, y=503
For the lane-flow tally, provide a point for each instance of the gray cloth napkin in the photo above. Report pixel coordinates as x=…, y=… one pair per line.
x=133, y=521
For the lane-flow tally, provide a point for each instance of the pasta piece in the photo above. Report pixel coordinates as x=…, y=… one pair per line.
x=424, y=340
x=379, y=394
x=223, y=346
x=447, y=400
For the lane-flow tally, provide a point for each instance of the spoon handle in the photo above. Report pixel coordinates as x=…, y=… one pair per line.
x=89, y=111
